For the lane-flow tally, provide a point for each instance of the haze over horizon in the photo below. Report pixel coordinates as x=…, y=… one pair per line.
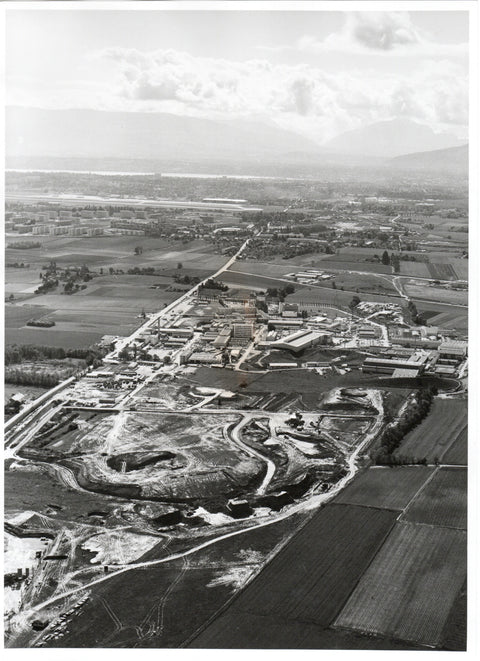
x=318, y=75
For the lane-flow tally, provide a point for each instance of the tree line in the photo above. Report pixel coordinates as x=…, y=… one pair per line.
x=31, y=352
x=394, y=433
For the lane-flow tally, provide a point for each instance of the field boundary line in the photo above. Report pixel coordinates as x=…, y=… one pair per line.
x=455, y=439
x=224, y=607
x=418, y=492
x=380, y=547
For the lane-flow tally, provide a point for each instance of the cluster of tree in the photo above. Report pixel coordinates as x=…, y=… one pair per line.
x=186, y=279
x=36, y=377
x=413, y=312
x=27, y=245
x=282, y=293
x=137, y=353
x=394, y=433
x=75, y=276
x=48, y=283
x=399, y=460
x=41, y=323
x=354, y=302
x=214, y=284
x=138, y=250
x=306, y=249
x=31, y=352
x=147, y=270
x=17, y=265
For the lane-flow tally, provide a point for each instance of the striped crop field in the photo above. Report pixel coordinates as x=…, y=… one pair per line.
x=442, y=271
x=443, y=501
x=410, y=587
x=386, y=487
x=457, y=453
x=313, y=575
x=446, y=421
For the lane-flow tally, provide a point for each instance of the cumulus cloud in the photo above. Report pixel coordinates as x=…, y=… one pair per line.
x=388, y=33
x=301, y=97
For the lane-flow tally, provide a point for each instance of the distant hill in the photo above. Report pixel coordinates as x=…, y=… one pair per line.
x=33, y=133
x=454, y=159
x=391, y=138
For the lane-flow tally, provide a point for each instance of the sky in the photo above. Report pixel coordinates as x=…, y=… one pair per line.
x=317, y=73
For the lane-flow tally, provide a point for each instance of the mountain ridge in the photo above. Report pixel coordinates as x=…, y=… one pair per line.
x=391, y=138
x=101, y=134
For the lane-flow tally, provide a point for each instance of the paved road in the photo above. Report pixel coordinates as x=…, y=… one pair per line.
x=177, y=303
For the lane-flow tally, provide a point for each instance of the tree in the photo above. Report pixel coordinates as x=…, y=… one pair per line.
x=179, y=265
x=124, y=354
x=385, y=258
x=334, y=284
x=138, y=250
x=354, y=302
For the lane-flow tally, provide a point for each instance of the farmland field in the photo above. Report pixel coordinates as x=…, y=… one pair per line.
x=51, y=337
x=110, y=304
x=310, y=578
x=432, y=437
x=419, y=269
x=457, y=453
x=348, y=263
x=399, y=593
x=390, y=488
x=441, y=271
x=445, y=316
x=443, y=501
x=454, y=636
x=258, y=273
x=242, y=630
x=456, y=297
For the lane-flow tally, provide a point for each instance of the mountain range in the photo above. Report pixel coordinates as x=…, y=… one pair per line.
x=454, y=159
x=391, y=138
x=92, y=135
x=33, y=132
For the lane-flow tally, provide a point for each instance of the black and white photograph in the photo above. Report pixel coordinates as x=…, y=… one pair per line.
x=236, y=322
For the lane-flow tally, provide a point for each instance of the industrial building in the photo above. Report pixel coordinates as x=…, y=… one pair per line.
x=453, y=350
x=299, y=341
x=242, y=331
x=390, y=365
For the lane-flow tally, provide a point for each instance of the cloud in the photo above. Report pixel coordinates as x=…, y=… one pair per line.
x=382, y=30
x=387, y=33
x=302, y=98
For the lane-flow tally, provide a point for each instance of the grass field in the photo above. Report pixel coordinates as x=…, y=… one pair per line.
x=50, y=337
x=349, y=281
x=31, y=392
x=390, y=488
x=445, y=316
x=399, y=593
x=425, y=292
x=348, y=263
x=419, y=269
x=443, y=500
x=164, y=605
x=438, y=431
